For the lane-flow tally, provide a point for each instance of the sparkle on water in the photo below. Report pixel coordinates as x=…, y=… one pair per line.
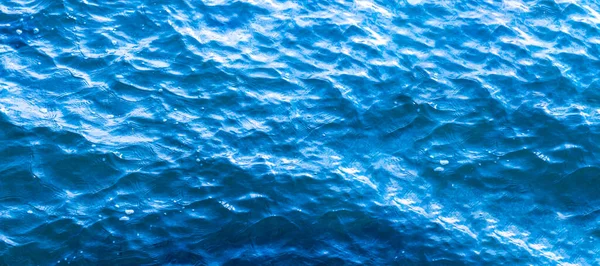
x=366, y=132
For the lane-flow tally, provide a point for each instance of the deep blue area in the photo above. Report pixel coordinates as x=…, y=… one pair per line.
x=299, y=133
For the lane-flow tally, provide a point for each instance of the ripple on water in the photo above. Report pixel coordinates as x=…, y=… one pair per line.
x=245, y=132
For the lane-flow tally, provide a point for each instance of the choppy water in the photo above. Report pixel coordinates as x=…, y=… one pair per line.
x=288, y=133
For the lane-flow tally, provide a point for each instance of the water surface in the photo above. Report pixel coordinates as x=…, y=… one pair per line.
x=299, y=133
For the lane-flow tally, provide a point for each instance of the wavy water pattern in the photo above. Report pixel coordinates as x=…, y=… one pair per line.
x=324, y=132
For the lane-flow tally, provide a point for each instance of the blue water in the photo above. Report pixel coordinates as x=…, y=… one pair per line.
x=325, y=132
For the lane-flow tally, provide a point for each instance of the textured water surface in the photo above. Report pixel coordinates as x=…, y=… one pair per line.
x=299, y=133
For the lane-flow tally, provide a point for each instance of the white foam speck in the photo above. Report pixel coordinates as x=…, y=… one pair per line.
x=439, y=169
x=30, y=211
x=129, y=212
x=19, y=32
x=227, y=205
x=43, y=110
x=124, y=218
x=444, y=162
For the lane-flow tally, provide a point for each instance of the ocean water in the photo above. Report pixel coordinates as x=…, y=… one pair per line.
x=330, y=132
